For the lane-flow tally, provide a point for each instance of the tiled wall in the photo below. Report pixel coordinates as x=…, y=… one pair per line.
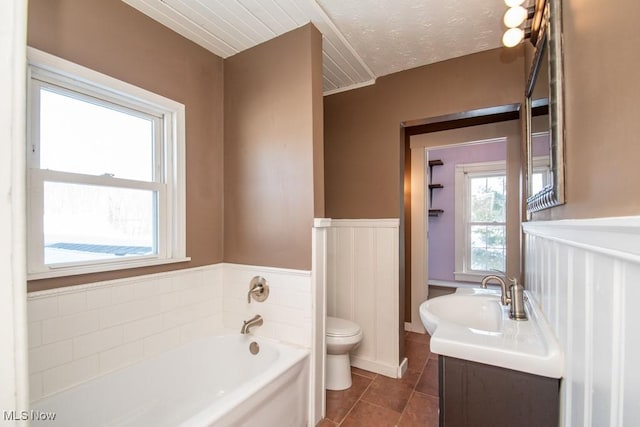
x=287, y=311
x=585, y=276
x=80, y=332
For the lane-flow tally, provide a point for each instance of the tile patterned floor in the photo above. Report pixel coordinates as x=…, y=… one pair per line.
x=377, y=401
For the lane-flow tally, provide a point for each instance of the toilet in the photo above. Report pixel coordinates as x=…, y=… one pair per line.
x=342, y=337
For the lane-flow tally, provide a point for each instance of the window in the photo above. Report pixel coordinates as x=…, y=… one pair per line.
x=540, y=175
x=105, y=172
x=480, y=219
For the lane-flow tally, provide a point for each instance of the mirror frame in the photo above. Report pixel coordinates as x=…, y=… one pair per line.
x=548, y=36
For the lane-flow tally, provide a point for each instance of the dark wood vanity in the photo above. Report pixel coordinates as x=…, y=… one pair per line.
x=477, y=395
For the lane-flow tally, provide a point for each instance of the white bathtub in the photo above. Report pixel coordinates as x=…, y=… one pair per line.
x=214, y=381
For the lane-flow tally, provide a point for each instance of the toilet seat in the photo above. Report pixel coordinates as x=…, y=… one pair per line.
x=337, y=327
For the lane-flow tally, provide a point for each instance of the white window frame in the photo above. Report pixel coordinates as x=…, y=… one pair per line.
x=542, y=165
x=45, y=70
x=463, y=272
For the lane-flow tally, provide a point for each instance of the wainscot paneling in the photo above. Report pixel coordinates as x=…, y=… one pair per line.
x=585, y=274
x=362, y=285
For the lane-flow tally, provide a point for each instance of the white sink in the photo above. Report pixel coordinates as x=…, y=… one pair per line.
x=472, y=325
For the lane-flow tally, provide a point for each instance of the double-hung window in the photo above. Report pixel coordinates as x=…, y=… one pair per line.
x=541, y=171
x=105, y=172
x=480, y=219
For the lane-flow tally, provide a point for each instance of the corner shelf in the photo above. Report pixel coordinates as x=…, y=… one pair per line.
x=432, y=164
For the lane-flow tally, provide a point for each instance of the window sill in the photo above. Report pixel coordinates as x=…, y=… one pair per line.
x=102, y=267
x=470, y=277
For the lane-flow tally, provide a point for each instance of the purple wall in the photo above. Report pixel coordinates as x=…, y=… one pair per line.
x=442, y=228
x=540, y=145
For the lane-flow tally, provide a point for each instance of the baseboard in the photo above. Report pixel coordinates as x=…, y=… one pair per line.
x=416, y=327
x=402, y=369
x=377, y=367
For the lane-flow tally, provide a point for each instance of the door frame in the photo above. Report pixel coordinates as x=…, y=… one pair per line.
x=410, y=285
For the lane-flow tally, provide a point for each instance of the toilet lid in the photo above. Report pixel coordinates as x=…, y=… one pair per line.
x=337, y=327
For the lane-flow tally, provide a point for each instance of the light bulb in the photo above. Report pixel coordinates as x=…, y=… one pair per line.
x=512, y=37
x=515, y=16
x=512, y=3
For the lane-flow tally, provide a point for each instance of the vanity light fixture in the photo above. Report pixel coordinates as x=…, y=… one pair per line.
x=512, y=37
x=514, y=18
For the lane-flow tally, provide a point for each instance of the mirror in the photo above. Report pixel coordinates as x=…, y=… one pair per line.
x=544, y=111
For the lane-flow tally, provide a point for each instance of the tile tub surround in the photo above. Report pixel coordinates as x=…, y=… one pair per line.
x=287, y=310
x=81, y=332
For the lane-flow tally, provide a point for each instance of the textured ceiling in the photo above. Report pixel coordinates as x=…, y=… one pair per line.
x=394, y=35
x=362, y=39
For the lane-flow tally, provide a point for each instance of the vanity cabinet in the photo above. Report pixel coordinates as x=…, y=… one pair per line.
x=478, y=395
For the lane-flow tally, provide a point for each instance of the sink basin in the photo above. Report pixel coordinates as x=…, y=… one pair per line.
x=473, y=325
x=480, y=311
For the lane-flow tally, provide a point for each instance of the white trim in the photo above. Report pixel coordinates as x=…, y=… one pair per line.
x=321, y=222
x=462, y=255
x=541, y=162
x=410, y=327
x=350, y=87
x=366, y=223
x=169, y=165
x=419, y=236
x=451, y=284
x=618, y=237
x=317, y=396
x=97, y=180
x=14, y=392
x=288, y=271
x=390, y=371
x=402, y=369
x=342, y=38
x=465, y=276
x=104, y=265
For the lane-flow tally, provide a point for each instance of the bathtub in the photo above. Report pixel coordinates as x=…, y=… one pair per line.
x=215, y=381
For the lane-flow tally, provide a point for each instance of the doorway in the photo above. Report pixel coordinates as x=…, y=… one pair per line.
x=479, y=126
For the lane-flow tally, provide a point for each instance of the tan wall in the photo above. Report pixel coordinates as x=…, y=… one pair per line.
x=117, y=40
x=271, y=92
x=602, y=118
x=362, y=126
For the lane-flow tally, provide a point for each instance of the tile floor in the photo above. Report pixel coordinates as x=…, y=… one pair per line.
x=378, y=401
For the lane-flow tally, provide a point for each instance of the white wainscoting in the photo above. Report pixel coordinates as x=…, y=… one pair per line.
x=362, y=285
x=80, y=332
x=586, y=276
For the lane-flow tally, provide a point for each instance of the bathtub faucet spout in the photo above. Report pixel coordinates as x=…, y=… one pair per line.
x=248, y=324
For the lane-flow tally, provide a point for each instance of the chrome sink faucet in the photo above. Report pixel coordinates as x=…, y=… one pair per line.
x=514, y=296
x=248, y=324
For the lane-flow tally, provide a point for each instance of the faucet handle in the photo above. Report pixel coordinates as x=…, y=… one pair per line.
x=258, y=289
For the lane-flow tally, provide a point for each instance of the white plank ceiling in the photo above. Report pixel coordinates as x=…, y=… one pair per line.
x=362, y=39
